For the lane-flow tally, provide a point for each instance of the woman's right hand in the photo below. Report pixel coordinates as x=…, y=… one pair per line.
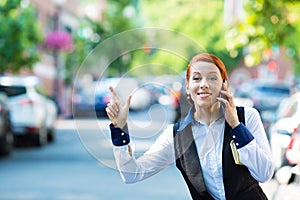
x=116, y=110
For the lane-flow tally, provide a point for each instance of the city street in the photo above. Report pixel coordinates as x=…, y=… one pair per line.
x=78, y=166
x=59, y=58
x=68, y=170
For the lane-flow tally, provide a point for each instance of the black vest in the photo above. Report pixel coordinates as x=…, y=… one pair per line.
x=238, y=182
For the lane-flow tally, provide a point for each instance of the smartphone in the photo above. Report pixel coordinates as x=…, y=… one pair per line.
x=223, y=95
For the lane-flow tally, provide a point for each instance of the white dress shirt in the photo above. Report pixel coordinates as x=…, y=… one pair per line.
x=256, y=155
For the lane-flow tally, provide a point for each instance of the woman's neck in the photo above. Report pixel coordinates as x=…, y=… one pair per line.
x=208, y=115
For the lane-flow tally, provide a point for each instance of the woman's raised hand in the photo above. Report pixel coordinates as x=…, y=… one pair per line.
x=116, y=110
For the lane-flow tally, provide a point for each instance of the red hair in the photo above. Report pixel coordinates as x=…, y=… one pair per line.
x=210, y=58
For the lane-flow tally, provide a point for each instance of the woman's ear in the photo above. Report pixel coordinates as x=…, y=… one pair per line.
x=186, y=87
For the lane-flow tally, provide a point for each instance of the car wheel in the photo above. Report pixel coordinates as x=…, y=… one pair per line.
x=41, y=138
x=50, y=134
x=7, y=142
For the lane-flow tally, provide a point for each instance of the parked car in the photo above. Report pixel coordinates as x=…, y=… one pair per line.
x=83, y=101
x=6, y=136
x=93, y=98
x=266, y=95
x=32, y=114
x=292, y=154
x=286, y=124
x=141, y=99
x=289, y=171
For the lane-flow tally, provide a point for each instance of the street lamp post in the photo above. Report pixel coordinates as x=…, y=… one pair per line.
x=56, y=53
x=56, y=65
x=58, y=41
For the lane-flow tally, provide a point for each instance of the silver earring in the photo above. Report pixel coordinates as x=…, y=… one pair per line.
x=188, y=96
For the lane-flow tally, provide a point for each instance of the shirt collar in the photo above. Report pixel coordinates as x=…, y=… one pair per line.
x=187, y=120
x=190, y=119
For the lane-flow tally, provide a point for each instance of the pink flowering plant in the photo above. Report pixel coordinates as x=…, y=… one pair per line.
x=59, y=40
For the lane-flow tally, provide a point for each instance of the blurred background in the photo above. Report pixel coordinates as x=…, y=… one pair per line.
x=49, y=90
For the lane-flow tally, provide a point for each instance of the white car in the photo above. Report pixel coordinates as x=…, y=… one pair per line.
x=32, y=114
x=288, y=120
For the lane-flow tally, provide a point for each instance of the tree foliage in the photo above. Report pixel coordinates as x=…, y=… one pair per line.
x=202, y=21
x=99, y=32
x=19, y=36
x=117, y=10
x=291, y=41
x=267, y=24
x=84, y=43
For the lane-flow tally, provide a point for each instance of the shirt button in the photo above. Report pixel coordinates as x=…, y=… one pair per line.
x=124, y=141
x=233, y=136
x=237, y=144
x=122, y=133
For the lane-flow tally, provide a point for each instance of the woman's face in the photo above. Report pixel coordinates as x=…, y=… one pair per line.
x=204, y=84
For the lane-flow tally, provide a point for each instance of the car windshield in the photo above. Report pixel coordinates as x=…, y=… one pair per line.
x=11, y=91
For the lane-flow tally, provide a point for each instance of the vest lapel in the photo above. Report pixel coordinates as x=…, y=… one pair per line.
x=187, y=156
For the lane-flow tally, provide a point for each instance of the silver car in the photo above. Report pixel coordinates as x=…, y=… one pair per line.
x=288, y=120
x=32, y=114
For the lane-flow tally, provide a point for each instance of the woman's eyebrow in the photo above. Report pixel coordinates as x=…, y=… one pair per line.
x=197, y=72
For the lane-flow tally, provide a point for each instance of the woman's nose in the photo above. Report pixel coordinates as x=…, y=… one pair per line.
x=203, y=84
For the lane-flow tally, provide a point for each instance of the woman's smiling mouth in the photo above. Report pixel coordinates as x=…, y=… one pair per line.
x=203, y=94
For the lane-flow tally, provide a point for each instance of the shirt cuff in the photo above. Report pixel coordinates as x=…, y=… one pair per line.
x=119, y=137
x=241, y=136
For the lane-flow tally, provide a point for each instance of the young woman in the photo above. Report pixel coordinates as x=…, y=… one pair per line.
x=221, y=150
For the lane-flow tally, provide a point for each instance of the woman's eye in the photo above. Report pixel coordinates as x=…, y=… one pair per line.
x=212, y=78
x=196, y=78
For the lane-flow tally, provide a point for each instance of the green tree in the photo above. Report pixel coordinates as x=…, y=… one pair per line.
x=291, y=41
x=83, y=44
x=202, y=21
x=115, y=21
x=19, y=36
x=267, y=24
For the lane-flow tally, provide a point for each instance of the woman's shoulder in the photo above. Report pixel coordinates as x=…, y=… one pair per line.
x=167, y=134
x=251, y=112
